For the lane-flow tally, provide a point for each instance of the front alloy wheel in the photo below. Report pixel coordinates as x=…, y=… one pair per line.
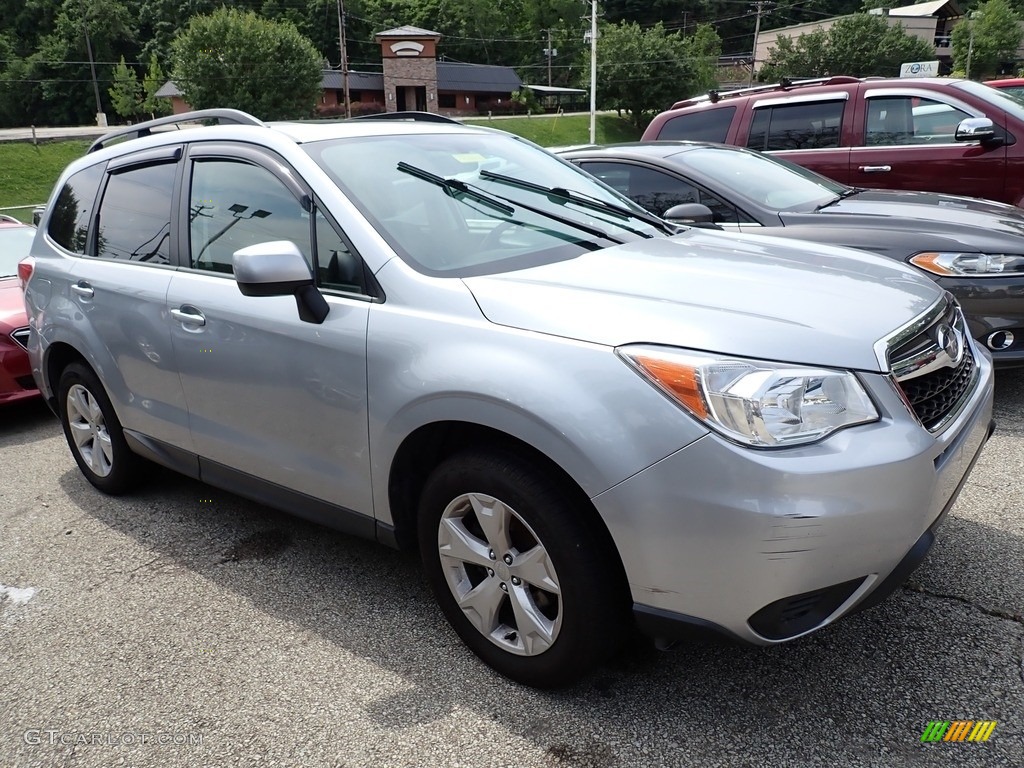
x=522, y=567
x=500, y=574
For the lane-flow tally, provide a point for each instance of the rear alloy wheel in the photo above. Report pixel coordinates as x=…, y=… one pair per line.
x=94, y=433
x=525, y=583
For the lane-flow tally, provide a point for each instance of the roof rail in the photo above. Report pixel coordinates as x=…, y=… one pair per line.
x=426, y=117
x=231, y=116
x=783, y=85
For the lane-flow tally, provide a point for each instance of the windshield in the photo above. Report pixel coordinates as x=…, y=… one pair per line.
x=768, y=181
x=431, y=196
x=993, y=96
x=14, y=246
x=1016, y=92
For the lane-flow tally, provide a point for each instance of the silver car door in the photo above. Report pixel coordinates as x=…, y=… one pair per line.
x=269, y=395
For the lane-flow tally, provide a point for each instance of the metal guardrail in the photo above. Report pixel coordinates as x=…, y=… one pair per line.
x=37, y=210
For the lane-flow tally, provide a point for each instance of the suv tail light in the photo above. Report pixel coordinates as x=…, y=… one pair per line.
x=25, y=267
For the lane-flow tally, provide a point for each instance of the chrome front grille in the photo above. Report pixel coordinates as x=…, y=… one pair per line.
x=935, y=368
x=936, y=395
x=20, y=336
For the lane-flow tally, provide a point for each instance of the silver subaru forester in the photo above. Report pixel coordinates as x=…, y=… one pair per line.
x=445, y=338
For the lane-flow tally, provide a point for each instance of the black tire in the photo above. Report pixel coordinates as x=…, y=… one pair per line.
x=590, y=612
x=125, y=468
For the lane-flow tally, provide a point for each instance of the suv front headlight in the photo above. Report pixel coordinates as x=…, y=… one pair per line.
x=755, y=402
x=953, y=264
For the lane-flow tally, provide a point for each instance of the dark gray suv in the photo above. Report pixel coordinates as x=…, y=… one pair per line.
x=444, y=338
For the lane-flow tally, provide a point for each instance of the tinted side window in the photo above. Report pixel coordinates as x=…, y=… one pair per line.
x=69, y=219
x=235, y=204
x=723, y=212
x=337, y=266
x=813, y=125
x=911, y=120
x=657, y=191
x=701, y=125
x=135, y=214
x=759, y=129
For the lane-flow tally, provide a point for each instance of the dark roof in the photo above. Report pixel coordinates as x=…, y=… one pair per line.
x=469, y=78
x=167, y=91
x=357, y=81
x=480, y=78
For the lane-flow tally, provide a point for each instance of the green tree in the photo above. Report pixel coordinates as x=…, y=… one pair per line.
x=860, y=45
x=805, y=56
x=53, y=84
x=151, y=83
x=161, y=20
x=231, y=58
x=703, y=49
x=641, y=71
x=997, y=35
x=126, y=91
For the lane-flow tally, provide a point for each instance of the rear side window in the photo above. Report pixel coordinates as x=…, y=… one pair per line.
x=69, y=219
x=701, y=125
x=813, y=125
x=135, y=215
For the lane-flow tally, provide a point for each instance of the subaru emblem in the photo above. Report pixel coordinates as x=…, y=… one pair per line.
x=950, y=341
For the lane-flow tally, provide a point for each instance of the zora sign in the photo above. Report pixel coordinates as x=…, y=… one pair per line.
x=920, y=69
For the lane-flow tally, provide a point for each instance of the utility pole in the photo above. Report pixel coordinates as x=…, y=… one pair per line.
x=344, y=56
x=549, y=53
x=101, y=119
x=593, y=71
x=760, y=4
x=971, y=18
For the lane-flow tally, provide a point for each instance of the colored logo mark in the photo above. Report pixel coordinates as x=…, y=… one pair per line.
x=958, y=730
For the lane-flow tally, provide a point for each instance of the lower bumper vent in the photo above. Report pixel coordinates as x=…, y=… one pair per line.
x=797, y=614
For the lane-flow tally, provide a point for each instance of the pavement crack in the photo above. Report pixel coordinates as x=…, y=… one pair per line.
x=144, y=565
x=998, y=613
x=131, y=574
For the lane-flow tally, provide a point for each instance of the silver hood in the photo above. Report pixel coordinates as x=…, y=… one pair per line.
x=732, y=294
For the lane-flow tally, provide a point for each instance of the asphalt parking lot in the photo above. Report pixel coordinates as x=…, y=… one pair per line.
x=183, y=626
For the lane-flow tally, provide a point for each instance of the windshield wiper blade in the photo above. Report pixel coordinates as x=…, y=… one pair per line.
x=456, y=187
x=563, y=195
x=841, y=196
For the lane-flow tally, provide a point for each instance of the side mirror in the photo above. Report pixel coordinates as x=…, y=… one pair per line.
x=975, y=129
x=279, y=269
x=689, y=213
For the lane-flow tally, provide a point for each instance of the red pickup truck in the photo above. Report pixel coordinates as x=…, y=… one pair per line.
x=934, y=134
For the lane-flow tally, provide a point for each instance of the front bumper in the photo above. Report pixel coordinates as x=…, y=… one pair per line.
x=768, y=545
x=993, y=305
x=16, y=382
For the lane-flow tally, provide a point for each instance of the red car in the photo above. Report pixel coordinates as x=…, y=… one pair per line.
x=934, y=134
x=1011, y=85
x=16, y=381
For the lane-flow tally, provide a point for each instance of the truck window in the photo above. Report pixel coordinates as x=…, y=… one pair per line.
x=807, y=125
x=701, y=125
